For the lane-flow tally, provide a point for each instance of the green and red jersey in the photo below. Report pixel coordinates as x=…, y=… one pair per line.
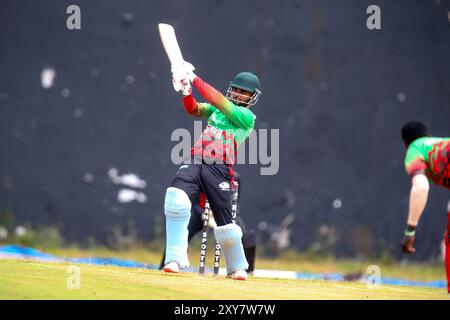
x=430, y=155
x=228, y=124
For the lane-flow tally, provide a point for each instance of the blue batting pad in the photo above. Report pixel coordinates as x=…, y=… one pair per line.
x=229, y=237
x=177, y=208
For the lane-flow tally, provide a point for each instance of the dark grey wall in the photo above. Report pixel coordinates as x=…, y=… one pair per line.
x=329, y=84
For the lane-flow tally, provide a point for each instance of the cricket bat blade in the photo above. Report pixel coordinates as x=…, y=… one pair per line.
x=170, y=43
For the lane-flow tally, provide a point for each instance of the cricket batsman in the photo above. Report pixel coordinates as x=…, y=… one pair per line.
x=196, y=225
x=427, y=159
x=230, y=122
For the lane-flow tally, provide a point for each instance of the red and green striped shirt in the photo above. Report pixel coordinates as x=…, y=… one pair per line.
x=430, y=155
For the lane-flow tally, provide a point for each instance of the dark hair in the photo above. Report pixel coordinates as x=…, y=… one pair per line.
x=413, y=130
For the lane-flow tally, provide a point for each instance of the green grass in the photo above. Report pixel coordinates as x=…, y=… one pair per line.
x=22, y=279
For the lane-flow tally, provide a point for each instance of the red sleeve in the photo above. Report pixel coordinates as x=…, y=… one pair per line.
x=190, y=104
x=212, y=96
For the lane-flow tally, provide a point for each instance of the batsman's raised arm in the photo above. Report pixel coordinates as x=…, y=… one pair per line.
x=242, y=93
x=182, y=75
x=242, y=117
x=195, y=108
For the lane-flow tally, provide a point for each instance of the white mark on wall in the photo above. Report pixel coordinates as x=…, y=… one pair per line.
x=128, y=179
x=47, y=77
x=128, y=195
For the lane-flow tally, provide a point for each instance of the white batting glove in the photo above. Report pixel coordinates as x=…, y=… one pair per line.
x=182, y=85
x=182, y=71
x=181, y=77
x=178, y=72
x=189, y=69
x=176, y=85
x=186, y=88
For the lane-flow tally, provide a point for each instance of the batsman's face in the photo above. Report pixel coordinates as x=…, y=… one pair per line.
x=240, y=95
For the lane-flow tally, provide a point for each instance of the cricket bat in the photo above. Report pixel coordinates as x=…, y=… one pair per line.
x=170, y=43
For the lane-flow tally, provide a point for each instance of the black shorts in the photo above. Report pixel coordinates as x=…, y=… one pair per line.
x=215, y=180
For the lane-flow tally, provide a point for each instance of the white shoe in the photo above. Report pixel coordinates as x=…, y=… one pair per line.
x=239, y=275
x=172, y=267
